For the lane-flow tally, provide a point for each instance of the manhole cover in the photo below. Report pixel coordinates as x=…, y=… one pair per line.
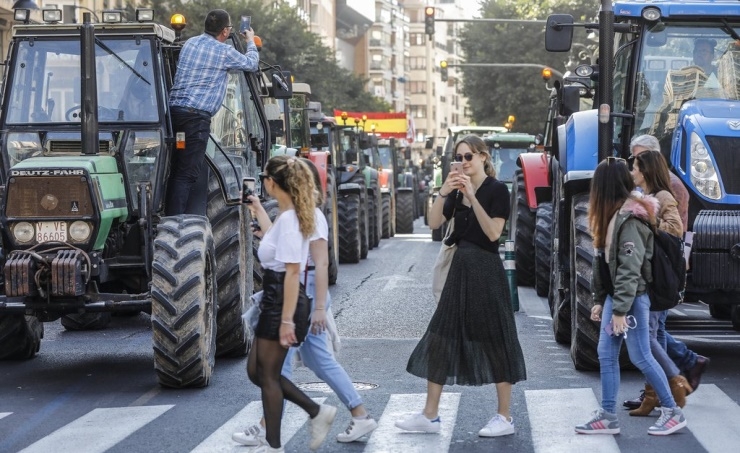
x=324, y=387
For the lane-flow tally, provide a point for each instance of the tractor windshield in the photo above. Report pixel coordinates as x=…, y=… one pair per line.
x=680, y=62
x=45, y=82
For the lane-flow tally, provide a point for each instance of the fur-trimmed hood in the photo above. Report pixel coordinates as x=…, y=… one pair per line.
x=634, y=209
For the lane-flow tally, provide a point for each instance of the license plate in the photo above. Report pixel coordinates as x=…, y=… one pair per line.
x=51, y=231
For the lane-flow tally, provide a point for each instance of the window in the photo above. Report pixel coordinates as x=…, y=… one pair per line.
x=418, y=111
x=417, y=63
x=417, y=87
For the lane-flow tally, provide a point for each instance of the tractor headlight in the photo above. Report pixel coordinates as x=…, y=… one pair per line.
x=703, y=173
x=23, y=232
x=80, y=231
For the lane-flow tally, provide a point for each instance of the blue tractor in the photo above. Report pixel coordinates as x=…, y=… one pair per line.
x=649, y=80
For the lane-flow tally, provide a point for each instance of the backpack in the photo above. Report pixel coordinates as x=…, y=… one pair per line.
x=669, y=271
x=666, y=289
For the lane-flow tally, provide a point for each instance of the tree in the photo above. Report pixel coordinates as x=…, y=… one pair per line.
x=494, y=93
x=287, y=42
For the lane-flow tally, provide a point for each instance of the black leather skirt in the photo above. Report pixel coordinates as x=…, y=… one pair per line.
x=271, y=307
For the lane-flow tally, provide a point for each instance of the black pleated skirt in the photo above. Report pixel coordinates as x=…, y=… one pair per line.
x=472, y=338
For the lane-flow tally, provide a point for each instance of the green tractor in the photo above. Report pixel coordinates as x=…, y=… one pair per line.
x=505, y=149
x=84, y=160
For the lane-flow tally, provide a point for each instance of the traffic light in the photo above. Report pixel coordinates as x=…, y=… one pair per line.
x=443, y=70
x=429, y=20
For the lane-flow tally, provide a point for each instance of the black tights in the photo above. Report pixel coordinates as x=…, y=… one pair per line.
x=263, y=368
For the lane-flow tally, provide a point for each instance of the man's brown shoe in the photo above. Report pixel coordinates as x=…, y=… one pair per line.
x=693, y=374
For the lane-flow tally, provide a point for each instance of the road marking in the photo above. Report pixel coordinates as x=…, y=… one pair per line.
x=555, y=434
x=4, y=414
x=98, y=430
x=389, y=438
x=146, y=397
x=710, y=413
x=401, y=281
x=701, y=339
x=220, y=440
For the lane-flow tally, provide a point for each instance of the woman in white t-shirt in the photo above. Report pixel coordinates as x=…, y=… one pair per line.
x=315, y=350
x=283, y=320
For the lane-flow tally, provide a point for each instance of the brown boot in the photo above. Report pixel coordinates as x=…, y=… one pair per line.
x=649, y=403
x=679, y=389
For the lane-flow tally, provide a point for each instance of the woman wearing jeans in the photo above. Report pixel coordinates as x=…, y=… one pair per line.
x=621, y=270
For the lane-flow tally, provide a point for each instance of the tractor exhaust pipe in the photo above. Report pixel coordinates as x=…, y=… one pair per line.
x=89, y=88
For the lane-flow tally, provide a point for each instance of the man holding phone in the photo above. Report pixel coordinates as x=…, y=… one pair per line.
x=197, y=94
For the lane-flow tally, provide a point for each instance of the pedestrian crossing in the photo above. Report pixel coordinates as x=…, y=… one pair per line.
x=552, y=415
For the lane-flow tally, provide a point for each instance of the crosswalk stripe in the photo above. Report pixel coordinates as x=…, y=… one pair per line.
x=553, y=415
x=98, y=430
x=220, y=440
x=4, y=414
x=711, y=415
x=389, y=438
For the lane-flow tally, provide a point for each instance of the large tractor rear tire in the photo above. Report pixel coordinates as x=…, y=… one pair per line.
x=585, y=332
x=330, y=211
x=386, y=209
x=542, y=248
x=405, y=212
x=364, y=213
x=373, y=231
x=349, y=228
x=558, y=296
x=20, y=337
x=232, y=239
x=86, y=321
x=522, y=230
x=184, y=301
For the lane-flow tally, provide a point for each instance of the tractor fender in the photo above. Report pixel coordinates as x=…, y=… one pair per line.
x=535, y=168
x=350, y=187
x=320, y=160
x=578, y=142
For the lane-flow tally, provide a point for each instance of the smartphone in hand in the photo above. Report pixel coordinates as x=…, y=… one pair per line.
x=246, y=24
x=456, y=166
x=247, y=189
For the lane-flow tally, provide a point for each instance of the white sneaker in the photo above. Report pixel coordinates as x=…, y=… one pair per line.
x=357, y=429
x=252, y=436
x=321, y=424
x=419, y=422
x=497, y=426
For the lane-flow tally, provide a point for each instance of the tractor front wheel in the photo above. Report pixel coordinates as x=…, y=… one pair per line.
x=184, y=301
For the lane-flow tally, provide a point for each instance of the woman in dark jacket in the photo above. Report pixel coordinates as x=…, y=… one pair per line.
x=471, y=339
x=624, y=246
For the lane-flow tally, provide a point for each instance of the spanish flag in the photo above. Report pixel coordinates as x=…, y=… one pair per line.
x=387, y=125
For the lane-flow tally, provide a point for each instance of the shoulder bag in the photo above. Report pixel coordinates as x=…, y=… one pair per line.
x=444, y=259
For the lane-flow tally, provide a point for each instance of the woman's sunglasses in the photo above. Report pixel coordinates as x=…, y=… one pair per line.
x=467, y=156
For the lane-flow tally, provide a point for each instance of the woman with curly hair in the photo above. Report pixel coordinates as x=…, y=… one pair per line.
x=284, y=316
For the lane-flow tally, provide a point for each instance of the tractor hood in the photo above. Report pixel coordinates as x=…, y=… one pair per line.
x=60, y=190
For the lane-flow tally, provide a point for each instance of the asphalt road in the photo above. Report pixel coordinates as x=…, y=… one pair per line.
x=96, y=391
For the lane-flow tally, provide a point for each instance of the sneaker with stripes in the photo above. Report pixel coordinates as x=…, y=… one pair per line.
x=670, y=421
x=602, y=422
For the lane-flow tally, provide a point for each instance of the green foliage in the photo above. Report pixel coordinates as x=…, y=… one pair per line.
x=287, y=42
x=495, y=93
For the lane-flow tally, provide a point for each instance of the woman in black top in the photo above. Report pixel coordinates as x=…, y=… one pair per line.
x=471, y=339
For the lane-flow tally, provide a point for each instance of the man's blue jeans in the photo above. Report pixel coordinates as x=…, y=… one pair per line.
x=187, y=187
x=638, y=346
x=316, y=356
x=682, y=356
